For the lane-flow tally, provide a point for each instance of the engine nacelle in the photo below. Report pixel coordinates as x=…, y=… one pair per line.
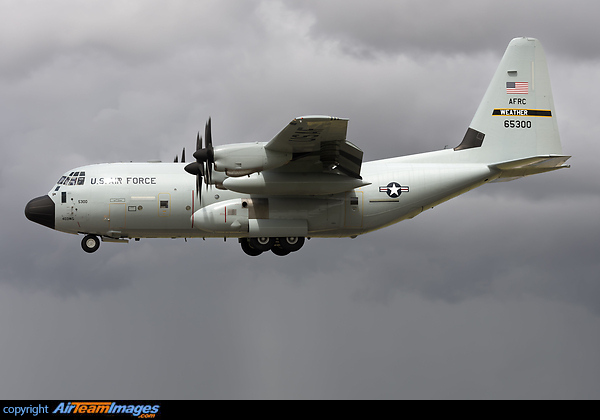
x=247, y=158
x=228, y=216
x=293, y=184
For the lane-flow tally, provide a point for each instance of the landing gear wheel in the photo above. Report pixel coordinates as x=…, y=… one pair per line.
x=291, y=244
x=90, y=243
x=280, y=252
x=261, y=244
x=248, y=249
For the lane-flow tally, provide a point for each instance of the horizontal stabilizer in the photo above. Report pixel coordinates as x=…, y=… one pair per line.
x=530, y=166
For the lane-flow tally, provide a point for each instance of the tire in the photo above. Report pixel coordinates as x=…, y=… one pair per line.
x=280, y=252
x=248, y=249
x=292, y=243
x=262, y=244
x=90, y=243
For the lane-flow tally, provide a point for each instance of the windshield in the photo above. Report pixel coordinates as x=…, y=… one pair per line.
x=74, y=178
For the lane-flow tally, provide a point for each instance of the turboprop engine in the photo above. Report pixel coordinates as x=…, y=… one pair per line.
x=234, y=160
x=246, y=158
x=303, y=184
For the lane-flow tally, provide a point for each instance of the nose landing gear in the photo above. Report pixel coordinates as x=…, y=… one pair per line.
x=90, y=243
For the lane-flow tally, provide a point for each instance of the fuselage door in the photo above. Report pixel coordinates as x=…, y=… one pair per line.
x=117, y=213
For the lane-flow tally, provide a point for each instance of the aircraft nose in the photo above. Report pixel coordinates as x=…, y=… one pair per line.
x=41, y=210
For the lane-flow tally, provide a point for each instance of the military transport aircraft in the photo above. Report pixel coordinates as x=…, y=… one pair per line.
x=309, y=181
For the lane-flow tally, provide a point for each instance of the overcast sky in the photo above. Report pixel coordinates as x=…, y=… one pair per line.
x=495, y=294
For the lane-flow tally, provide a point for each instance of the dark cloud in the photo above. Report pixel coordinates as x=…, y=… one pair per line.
x=410, y=26
x=492, y=295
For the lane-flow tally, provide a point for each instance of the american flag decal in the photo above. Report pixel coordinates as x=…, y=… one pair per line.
x=517, y=88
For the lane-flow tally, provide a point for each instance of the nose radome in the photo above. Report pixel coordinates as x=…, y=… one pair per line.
x=41, y=210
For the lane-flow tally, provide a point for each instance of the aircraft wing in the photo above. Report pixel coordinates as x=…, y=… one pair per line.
x=318, y=144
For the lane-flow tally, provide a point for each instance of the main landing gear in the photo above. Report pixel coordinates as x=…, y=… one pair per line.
x=251, y=246
x=278, y=246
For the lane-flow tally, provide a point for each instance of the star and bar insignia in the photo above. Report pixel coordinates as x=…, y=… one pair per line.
x=393, y=189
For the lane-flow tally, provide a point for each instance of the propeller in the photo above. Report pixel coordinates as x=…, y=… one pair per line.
x=205, y=159
x=182, y=157
x=210, y=152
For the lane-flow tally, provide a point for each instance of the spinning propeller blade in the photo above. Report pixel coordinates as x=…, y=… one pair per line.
x=205, y=158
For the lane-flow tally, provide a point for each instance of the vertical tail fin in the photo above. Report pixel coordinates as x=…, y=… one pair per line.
x=516, y=119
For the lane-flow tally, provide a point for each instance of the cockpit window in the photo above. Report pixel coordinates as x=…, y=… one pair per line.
x=75, y=178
